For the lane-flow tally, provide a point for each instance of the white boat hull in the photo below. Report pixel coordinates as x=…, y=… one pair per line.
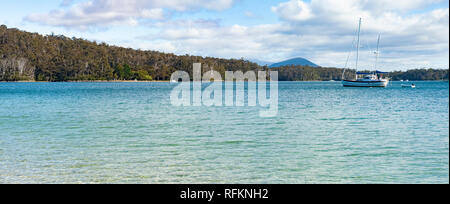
x=348, y=83
x=409, y=86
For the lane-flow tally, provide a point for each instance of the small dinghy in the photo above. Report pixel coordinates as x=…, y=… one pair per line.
x=409, y=86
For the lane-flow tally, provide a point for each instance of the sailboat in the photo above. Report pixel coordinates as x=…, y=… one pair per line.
x=364, y=79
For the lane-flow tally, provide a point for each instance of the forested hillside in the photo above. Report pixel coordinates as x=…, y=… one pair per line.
x=31, y=56
x=420, y=74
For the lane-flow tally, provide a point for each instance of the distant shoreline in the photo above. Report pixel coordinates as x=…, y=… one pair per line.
x=87, y=81
x=133, y=81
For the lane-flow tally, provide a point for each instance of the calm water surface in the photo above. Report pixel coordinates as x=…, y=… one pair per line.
x=129, y=133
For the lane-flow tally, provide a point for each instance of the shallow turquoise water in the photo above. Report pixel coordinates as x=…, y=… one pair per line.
x=129, y=133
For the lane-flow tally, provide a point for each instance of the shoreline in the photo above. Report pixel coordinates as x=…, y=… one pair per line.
x=87, y=81
x=133, y=81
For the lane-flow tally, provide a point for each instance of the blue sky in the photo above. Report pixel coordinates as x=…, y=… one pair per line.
x=414, y=32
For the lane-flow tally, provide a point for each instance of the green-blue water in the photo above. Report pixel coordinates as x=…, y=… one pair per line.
x=129, y=133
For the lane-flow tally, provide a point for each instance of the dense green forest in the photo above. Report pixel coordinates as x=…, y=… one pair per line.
x=420, y=74
x=305, y=73
x=301, y=73
x=31, y=56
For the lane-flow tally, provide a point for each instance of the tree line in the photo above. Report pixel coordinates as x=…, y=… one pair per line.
x=31, y=56
x=420, y=74
x=305, y=73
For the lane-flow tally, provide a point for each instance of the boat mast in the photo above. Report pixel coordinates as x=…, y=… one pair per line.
x=357, y=46
x=377, y=53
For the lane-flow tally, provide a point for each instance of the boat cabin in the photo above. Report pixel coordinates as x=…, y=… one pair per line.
x=370, y=77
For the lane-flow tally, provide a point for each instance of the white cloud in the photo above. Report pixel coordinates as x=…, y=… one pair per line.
x=320, y=30
x=414, y=38
x=293, y=11
x=380, y=6
x=106, y=12
x=323, y=31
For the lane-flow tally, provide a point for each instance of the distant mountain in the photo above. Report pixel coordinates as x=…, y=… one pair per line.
x=260, y=62
x=295, y=61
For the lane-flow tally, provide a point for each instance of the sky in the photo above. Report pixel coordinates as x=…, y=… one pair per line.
x=414, y=33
